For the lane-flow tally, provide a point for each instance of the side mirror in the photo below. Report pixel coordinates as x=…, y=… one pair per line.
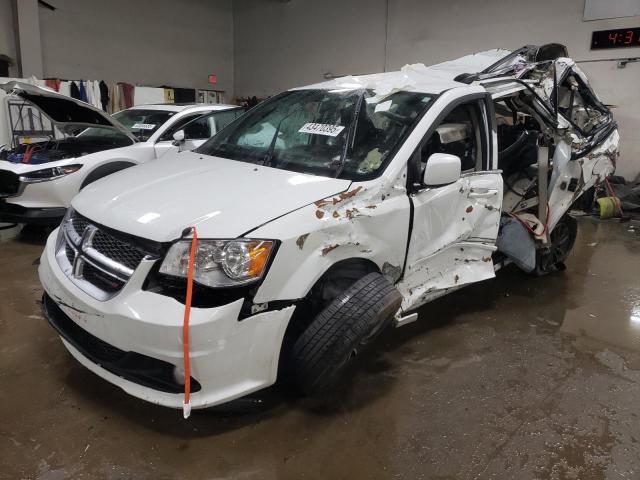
x=442, y=169
x=178, y=137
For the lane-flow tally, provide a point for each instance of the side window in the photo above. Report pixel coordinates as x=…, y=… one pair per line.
x=168, y=135
x=459, y=133
x=224, y=118
x=199, y=129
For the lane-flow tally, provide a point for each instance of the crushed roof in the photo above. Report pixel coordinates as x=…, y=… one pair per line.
x=416, y=77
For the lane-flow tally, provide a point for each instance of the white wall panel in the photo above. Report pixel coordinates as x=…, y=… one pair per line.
x=163, y=42
x=601, y=9
x=283, y=44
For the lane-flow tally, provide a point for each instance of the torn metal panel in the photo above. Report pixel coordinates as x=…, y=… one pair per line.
x=453, y=236
x=554, y=98
x=579, y=175
x=457, y=264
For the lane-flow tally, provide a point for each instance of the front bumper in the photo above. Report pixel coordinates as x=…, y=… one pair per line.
x=229, y=358
x=13, y=213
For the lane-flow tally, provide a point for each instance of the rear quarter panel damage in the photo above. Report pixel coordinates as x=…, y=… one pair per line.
x=590, y=170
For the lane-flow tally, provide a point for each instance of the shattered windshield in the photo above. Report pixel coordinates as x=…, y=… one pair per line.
x=338, y=133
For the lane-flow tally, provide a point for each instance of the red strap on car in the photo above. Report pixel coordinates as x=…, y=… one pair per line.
x=186, y=407
x=27, y=154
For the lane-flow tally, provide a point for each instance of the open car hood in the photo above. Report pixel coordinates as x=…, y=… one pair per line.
x=64, y=111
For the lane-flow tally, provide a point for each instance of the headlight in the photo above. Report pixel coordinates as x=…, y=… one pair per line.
x=49, y=174
x=219, y=263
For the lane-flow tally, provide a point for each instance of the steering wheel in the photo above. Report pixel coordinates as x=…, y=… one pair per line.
x=394, y=117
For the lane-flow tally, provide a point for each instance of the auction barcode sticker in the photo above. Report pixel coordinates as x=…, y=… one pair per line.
x=144, y=126
x=321, y=129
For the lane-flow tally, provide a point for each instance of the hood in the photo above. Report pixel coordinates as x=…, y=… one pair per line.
x=222, y=198
x=64, y=111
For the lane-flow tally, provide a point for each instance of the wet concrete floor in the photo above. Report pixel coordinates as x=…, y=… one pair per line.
x=516, y=378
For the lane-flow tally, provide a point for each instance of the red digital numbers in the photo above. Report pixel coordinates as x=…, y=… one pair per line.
x=622, y=38
x=618, y=38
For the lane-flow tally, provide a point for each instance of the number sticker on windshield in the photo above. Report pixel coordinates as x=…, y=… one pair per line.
x=143, y=126
x=321, y=129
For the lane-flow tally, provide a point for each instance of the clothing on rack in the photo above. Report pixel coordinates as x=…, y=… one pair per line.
x=74, y=90
x=53, y=84
x=127, y=91
x=93, y=93
x=83, y=91
x=89, y=92
x=114, y=98
x=121, y=101
x=65, y=88
x=104, y=95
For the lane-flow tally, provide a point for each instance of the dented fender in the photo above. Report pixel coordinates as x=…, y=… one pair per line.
x=369, y=221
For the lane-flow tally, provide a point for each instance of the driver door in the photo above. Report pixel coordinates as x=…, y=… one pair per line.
x=455, y=226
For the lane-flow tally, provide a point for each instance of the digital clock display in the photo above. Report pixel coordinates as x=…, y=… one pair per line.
x=620, y=38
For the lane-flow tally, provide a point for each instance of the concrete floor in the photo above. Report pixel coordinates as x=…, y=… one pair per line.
x=515, y=378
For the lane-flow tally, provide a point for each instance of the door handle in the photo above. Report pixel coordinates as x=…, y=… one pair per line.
x=482, y=192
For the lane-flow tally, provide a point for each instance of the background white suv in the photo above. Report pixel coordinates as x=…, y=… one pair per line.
x=37, y=181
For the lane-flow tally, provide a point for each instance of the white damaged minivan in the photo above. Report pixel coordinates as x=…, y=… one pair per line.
x=322, y=216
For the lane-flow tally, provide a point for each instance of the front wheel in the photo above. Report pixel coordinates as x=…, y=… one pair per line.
x=349, y=323
x=563, y=237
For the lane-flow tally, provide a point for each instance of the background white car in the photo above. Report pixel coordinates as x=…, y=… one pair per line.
x=37, y=181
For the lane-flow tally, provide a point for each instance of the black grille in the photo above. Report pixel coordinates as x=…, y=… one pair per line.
x=135, y=367
x=79, y=224
x=9, y=183
x=95, y=269
x=117, y=250
x=100, y=279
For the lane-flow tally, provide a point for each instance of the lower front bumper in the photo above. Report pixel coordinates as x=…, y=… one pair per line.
x=140, y=369
x=12, y=213
x=135, y=338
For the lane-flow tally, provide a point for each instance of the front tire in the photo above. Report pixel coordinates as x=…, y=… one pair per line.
x=349, y=323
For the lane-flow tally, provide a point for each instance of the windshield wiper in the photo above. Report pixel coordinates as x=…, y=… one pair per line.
x=351, y=134
x=272, y=146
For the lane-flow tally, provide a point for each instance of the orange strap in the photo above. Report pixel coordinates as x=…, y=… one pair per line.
x=27, y=154
x=185, y=325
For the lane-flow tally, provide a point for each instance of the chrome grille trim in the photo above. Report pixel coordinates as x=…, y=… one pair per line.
x=79, y=248
x=117, y=269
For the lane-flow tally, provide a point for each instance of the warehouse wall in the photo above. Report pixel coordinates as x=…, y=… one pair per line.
x=7, y=33
x=280, y=44
x=149, y=43
x=283, y=44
